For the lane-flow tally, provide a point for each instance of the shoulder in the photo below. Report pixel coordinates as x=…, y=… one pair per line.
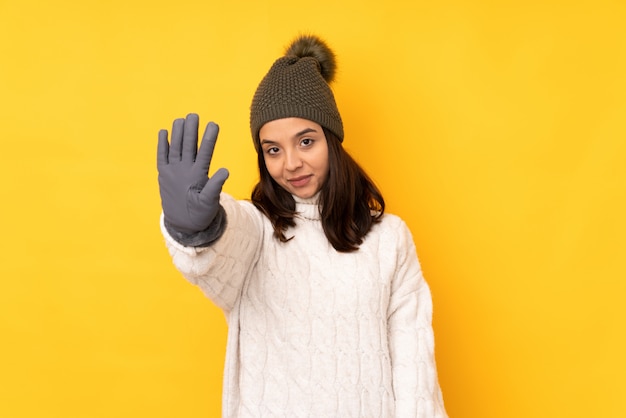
x=242, y=214
x=392, y=232
x=393, y=224
x=392, y=220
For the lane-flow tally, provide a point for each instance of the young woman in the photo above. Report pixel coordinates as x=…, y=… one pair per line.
x=328, y=312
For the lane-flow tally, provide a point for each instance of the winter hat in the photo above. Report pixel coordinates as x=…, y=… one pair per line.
x=297, y=85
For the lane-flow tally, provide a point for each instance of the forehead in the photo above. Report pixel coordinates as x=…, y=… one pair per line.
x=287, y=127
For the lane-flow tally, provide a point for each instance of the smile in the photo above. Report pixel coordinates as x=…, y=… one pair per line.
x=300, y=181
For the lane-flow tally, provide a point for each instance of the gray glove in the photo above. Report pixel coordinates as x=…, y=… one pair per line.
x=190, y=199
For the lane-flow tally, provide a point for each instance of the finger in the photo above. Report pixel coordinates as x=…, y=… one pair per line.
x=163, y=148
x=220, y=176
x=190, y=138
x=177, y=140
x=214, y=186
x=208, y=144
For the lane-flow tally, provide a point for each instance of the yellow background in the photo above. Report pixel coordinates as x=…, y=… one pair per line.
x=495, y=129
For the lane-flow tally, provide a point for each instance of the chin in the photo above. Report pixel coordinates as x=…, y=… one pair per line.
x=304, y=194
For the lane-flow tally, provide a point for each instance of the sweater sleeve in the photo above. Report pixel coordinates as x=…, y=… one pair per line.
x=411, y=339
x=220, y=269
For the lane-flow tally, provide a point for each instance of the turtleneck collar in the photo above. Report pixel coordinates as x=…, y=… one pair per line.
x=308, y=208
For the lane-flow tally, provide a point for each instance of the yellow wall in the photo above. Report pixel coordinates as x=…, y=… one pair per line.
x=495, y=129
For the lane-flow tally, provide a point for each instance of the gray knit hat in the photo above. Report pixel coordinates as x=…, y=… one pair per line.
x=297, y=85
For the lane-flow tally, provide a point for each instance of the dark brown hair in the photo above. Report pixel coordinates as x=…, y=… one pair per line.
x=350, y=201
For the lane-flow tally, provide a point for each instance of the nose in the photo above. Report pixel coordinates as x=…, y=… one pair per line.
x=293, y=161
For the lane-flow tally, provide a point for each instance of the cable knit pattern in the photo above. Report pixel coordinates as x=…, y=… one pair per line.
x=314, y=332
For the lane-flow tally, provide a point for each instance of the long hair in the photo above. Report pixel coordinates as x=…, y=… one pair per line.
x=349, y=200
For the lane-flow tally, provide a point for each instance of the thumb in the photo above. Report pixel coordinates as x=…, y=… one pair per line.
x=213, y=187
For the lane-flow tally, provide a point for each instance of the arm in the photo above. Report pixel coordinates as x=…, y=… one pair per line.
x=196, y=217
x=411, y=339
x=220, y=269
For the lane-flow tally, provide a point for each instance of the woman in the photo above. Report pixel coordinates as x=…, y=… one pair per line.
x=328, y=312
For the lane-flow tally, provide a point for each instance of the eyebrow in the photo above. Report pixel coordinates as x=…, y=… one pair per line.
x=302, y=132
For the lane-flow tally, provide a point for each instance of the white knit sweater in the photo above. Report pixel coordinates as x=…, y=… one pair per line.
x=314, y=332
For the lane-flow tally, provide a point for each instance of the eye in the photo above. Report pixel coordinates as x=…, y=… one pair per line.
x=272, y=150
x=307, y=142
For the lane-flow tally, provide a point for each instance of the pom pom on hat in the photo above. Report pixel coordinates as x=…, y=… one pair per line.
x=312, y=46
x=297, y=85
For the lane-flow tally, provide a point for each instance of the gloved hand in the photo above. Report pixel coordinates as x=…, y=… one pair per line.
x=190, y=199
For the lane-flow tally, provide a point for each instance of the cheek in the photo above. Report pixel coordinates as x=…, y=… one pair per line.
x=273, y=167
x=322, y=161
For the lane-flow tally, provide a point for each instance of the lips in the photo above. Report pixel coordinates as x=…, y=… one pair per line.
x=300, y=181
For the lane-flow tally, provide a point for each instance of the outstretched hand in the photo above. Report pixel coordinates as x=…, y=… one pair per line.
x=190, y=199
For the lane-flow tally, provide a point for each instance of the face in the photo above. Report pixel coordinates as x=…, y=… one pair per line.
x=296, y=155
